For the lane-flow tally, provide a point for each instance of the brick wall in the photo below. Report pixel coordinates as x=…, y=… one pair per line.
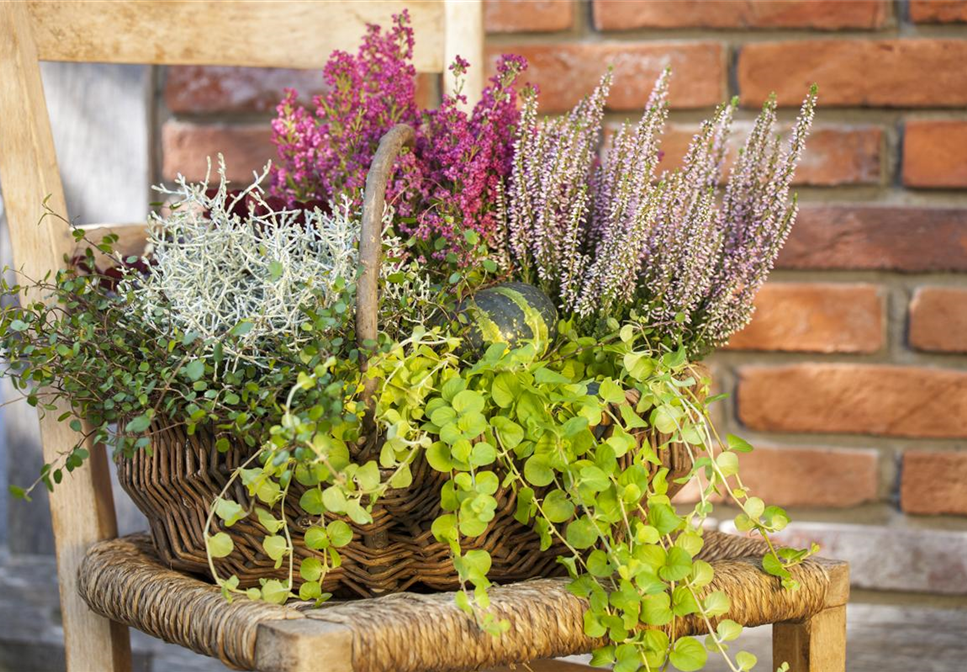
x=852, y=379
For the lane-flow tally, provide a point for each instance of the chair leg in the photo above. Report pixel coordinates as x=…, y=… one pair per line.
x=814, y=645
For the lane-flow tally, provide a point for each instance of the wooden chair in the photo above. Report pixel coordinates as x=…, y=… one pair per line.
x=108, y=584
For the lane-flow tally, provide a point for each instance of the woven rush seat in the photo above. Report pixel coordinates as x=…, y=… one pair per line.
x=123, y=580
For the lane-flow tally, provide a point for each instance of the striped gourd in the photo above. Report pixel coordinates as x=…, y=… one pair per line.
x=510, y=313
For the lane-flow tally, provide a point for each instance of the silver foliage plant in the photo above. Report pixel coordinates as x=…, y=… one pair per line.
x=212, y=271
x=618, y=239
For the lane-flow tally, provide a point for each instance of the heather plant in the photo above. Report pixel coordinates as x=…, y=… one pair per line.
x=327, y=150
x=624, y=241
x=550, y=195
x=623, y=211
x=448, y=184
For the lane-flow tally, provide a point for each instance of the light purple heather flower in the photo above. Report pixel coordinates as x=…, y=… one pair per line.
x=624, y=209
x=684, y=239
x=549, y=189
x=615, y=240
x=756, y=217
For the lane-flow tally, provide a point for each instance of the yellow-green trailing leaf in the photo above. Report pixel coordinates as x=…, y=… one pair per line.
x=310, y=570
x=340, y=534
x=688, y=654
x=220, y=545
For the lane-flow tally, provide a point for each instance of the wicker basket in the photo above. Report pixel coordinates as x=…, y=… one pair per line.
x=175, y=484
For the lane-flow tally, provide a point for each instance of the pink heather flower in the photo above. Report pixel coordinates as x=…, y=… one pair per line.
x=448, y=184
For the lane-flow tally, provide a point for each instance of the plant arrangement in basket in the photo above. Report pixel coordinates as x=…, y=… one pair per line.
x=531, y=400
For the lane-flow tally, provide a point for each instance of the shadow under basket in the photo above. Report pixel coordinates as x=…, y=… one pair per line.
x=175, y=484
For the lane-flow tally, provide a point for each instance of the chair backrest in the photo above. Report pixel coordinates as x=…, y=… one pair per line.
x=223, y=32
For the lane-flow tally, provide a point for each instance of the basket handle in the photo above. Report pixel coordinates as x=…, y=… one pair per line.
x=371, y=247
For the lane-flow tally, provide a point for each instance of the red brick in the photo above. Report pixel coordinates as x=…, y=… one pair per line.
x=938, y=11
x=841, y=155
x=804, y=477
x=567, y=72
x=814, y=317
x=935, y=154
x=877, y=399
x=834, y=155
x=898, y=238
x=932, y=482
x=186, y=147
x=874, y=73
x=811, y=477
x=528, y=16
x=205, y=89
x=938, y=319
x=826, y=15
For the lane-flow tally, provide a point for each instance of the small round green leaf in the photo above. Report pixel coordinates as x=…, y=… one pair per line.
x=688, y=654
x=716, y=603
x=311, y=502
x=678, y=565
x=537, y=471
x=275, y=592
x=339, y=532
x=310, y=590
x=310, y=570
x=557, y=507
x=317, y=539
x=745, y=660
x=728, y=630
x=581, y=533
x=195, y=369
x=220, y=545
x=598, y=564
x=275, y=546
x=468, y=401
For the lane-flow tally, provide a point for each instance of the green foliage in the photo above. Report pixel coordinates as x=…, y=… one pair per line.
x=517, y=419
x=521, y=419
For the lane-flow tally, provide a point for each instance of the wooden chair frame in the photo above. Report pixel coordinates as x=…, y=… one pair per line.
x=294, y=35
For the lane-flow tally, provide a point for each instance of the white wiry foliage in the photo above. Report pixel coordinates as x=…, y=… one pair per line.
x=403, y=283
x=213, y=270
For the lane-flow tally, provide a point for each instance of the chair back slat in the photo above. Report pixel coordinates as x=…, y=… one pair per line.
x=465, y=37
x=131, y=238
x=255, y=33
x=82, y=510
x=230, y=32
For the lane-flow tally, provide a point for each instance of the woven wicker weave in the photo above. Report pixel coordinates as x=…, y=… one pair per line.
x=123, y=580
x=176, y=484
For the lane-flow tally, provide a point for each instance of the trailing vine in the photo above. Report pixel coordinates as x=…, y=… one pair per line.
x=516, y=419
